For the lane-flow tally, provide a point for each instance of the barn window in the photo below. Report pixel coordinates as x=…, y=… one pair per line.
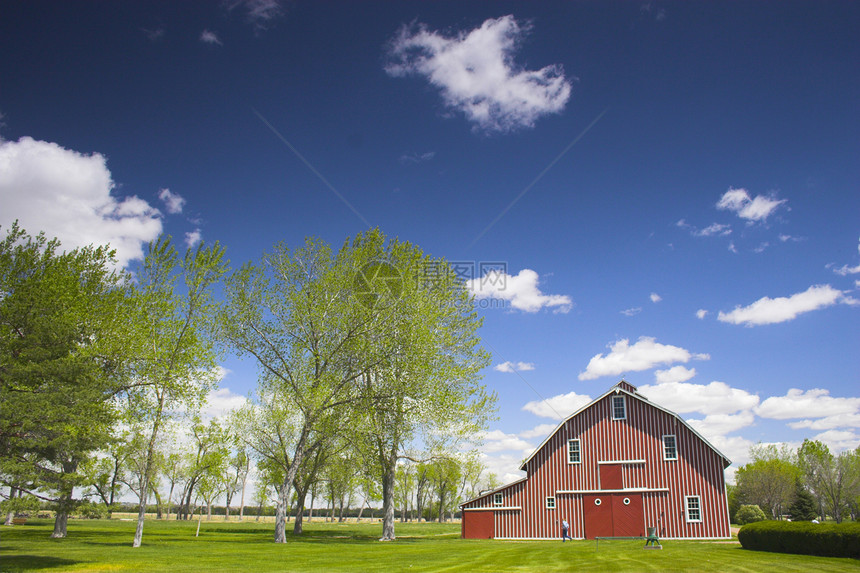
x=573, y=453
x=619, y=409
x=550, y=502
x=670, y=450
x=498, y=499
x=694, y=507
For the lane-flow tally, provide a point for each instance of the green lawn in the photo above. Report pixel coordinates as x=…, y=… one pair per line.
x=171, y=546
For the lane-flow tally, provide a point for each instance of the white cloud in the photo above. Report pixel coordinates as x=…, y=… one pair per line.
x=757, y=209
x=714, y=229
x=412, y=158
x=655, y=298
x=844, y=420
x=707, y=399
x=173, y=202
x=814, y=403
x=674, y=374
x=540, y=431
x=210, y=37
x=645, y=354
x=505, y=466
x=839, y=440
x=193, y=237
x=701, y=313
x=520, y=290
x=498, y=441
x=476, y=74
x=845, y=270
x=514, y=366
x=259, y=12
x=736, y=448
x=632, y=311
x=67, y=195
x=221, y=402
x=768, y=310
x=558, y=407
x=721, y=424
x=154, y=35
x=733, y=248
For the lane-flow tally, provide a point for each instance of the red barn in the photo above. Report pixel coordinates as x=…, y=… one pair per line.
x=612, y=469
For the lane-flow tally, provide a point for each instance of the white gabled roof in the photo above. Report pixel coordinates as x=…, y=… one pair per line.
x=617, y=389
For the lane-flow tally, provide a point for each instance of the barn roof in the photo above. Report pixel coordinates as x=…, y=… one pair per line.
x=628, y=389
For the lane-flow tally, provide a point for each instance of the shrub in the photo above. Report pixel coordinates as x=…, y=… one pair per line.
x=749, y=514
x=805, y=538
x=89, y=510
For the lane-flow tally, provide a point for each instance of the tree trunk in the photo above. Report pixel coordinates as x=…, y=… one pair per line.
x=388, y=502
x=158, y=513
x=280, y=514
x=170, y=498
x=61, y=522
x=242, y=500
x=10, y=515
x=286, y=486
x=300, y=511
x=301, y=495
x=64, y=505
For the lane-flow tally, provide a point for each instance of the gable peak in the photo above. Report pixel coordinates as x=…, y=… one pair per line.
x=625, y=385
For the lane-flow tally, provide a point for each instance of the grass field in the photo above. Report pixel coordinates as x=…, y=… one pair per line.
x=233, y=546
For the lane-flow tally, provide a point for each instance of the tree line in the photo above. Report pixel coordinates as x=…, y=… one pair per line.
x=368, y=361
x=802, y=485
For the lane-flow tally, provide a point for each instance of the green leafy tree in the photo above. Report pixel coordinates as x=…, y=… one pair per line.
x=733, y=501
x=749, y=514
x=61, y=364
x=425, y=385
x=175, y=360
x=445, y=475
x=768, y=480
x=404, y=488
x=834, y=480
x=296, y=315
x=210, y=466
x=236, y=476
x=104, y=474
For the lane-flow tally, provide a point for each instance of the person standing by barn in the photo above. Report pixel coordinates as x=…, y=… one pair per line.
x=565, y=528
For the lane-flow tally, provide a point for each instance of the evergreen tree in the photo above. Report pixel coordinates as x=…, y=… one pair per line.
x=804, y=507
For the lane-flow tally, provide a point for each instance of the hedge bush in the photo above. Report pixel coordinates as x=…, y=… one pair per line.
x=805, y=538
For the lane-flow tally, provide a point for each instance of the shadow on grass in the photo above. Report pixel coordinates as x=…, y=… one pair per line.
x=16, y=563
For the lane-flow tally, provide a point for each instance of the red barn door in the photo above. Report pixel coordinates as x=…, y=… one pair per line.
x=597, y=510
x=628, y=516
x=610, y=476
x=478, y=525
x=613, y=515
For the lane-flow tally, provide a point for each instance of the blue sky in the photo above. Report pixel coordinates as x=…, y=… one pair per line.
x=665, y=191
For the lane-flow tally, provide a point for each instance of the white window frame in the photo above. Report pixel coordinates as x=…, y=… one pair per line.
x=498, y=499
x=550, y=502
x=674, y=447
x=578, y=451
x=623, y=406
x=698, y=508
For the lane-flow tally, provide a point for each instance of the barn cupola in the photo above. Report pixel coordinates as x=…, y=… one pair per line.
x=627, y=386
